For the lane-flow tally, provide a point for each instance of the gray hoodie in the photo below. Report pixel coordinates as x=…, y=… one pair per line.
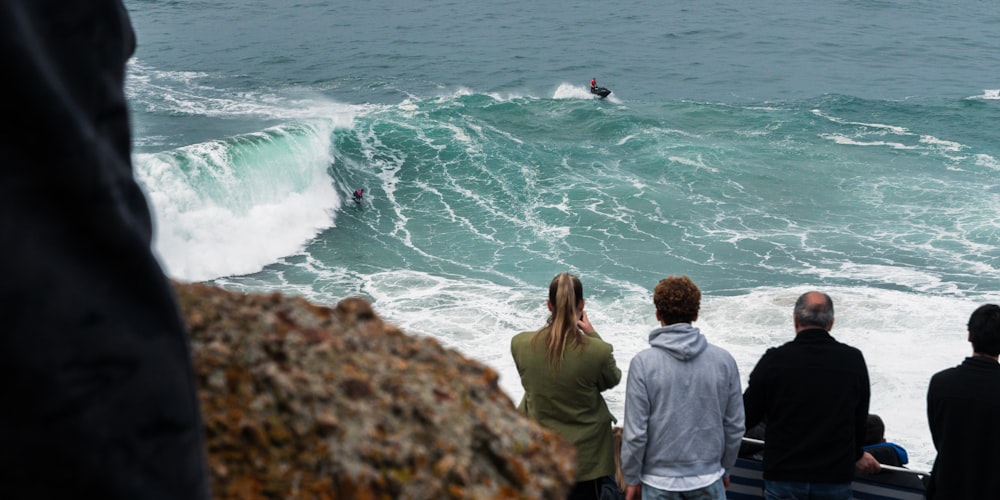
x=683, y=407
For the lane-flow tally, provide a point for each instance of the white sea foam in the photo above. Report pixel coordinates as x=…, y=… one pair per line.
x=841, y=139
x=570, y=91
x=217, y=213
x=908, y=277
x=698, y=162
x=941, y=143
x=989, y=95
x=985, y=160
x=623, y=140
x=867, y=131
x=195, y=93
x=906, y=338
x=890, y=128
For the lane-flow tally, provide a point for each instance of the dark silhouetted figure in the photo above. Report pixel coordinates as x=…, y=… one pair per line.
x=99, y=395
x=963, y=403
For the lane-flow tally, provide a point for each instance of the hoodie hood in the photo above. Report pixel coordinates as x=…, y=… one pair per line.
x=681, y=340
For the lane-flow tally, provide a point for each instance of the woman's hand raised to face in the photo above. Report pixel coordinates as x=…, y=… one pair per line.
x=584, y=324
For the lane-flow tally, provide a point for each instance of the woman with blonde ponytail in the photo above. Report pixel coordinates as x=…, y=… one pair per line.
x=564, y=367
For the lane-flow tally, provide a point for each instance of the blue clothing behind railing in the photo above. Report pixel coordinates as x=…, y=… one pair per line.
x=888, y=454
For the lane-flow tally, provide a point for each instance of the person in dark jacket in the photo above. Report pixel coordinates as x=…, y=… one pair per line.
x=99, y=391
x=885, y=452
x=963, y=404
x=813, y=393
x=888, y=453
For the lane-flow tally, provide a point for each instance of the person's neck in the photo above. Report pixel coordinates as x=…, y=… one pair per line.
x=805, y=328
x=994, y=357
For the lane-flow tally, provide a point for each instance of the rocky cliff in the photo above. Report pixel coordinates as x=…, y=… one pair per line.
x=305, y=401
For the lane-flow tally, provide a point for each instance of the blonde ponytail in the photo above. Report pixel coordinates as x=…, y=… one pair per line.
x=561, y=330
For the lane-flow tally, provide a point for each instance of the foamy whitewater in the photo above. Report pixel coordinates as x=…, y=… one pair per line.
x=762, y=150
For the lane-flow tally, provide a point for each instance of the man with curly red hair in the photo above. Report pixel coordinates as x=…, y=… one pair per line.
x=683, y=405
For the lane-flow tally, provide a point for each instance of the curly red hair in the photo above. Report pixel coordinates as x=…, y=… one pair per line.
x=677, y=299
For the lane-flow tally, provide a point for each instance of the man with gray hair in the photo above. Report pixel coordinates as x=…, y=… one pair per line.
x=813, y=394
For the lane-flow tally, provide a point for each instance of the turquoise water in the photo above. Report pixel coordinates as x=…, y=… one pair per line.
x=763, y=150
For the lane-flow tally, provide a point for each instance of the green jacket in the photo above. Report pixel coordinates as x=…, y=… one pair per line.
x=569, y=400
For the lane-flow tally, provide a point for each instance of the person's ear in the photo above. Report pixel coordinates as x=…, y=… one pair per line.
x=549, y=303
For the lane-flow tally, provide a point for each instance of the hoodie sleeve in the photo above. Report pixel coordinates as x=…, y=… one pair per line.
x=733, y=419
x=634, y=432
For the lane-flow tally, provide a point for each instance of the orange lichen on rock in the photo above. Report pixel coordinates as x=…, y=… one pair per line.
x=305, y=401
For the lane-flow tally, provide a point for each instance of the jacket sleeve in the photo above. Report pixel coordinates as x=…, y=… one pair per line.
x=634, y=432
x=522, y=405
x=513, y=353
x=933, y=413
x=861, y=414
x=754, y=401
x=733, y=419
x=610, y=373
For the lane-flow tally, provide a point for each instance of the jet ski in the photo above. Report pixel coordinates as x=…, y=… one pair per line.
x=601, y=92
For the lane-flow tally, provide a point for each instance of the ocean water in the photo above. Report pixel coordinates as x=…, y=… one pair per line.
x=763, y=149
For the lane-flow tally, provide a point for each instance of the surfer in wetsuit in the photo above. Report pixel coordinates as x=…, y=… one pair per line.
x=358, y=193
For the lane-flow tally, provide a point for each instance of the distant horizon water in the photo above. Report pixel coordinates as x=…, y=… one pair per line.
x=764, y=150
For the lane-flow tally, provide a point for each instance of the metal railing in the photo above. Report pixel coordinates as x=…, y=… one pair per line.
x=884, y=467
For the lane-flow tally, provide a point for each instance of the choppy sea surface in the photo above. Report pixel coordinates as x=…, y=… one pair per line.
x=763, y=149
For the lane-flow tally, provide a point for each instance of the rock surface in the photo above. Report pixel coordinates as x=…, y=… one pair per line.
x=304, y=401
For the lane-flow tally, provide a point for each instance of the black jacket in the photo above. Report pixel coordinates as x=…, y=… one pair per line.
x=813, y=393
x=96, y=375
x=963, y=410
